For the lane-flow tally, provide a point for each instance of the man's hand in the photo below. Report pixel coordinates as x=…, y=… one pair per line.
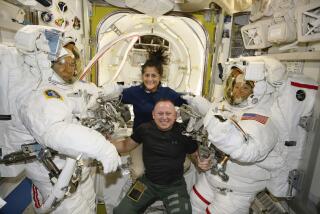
x=200, y=163
x=204, y=164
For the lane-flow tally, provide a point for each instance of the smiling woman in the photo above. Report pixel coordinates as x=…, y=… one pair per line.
x=143, y=97
x=152, y=69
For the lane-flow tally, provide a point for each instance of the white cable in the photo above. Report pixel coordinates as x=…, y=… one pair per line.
x=168, y=29
x=103, y=50
x=133, y=41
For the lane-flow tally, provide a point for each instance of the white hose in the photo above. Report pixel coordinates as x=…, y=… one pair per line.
x=103, y=50
x=60, y=187
x=170, y=31
x=133, y=41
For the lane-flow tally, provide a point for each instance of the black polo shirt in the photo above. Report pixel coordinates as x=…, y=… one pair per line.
x=164, y=152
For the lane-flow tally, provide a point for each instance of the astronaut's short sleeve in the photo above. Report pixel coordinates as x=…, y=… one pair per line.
x=137, y=135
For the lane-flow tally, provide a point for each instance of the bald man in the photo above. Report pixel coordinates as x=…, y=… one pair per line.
x=164, y=152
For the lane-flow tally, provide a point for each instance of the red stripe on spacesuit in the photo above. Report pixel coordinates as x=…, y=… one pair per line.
x=35, y=196
x=200, y=196
x=301, y=85
x=207, y=211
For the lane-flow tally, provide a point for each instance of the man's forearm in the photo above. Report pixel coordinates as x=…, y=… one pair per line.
x=124, y=146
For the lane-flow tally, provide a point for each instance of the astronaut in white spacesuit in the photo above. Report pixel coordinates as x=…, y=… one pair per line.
x=50, y=101
x=241, y=127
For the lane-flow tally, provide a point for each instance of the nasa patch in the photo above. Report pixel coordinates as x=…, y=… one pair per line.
x=52, y=94
x=300, y=95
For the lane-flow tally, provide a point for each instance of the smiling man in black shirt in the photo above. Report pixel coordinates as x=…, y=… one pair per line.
x=164, y=152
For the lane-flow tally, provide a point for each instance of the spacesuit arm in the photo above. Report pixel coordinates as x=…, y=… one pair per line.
x=111, y=90
x=200, y=104
x=50, y=122
x=261, y=138
x=73, y=139
x=126, y=145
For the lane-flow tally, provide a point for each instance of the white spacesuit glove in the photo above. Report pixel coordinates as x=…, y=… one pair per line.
x=198, y=103
x=2, y=203
x=109, y=158
x=109, y=89
x=92, y=103
x=113, y=89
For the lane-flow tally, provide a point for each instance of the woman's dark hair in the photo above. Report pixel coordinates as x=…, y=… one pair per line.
x=157, y=58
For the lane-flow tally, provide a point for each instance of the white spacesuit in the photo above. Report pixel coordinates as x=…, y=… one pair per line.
x=297, y=93
x=47, y=106
x=242, y=128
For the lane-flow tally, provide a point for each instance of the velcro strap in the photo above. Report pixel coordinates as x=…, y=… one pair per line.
x=5, y=117
x=290, y=143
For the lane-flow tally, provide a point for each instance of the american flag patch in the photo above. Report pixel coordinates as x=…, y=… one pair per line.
x=256, y=117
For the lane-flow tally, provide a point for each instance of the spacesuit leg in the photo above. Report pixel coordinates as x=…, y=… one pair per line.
x=115, y=186
x=190, y=176
x=88, y=193
x=78, y=202
x=81, y=201
x=201, y=195
x=230, y=203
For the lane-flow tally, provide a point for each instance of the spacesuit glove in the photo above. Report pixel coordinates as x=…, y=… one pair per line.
x=92, y=104
x=200, y=104
x=2, y=203
x=109, y=158
x=113, y=89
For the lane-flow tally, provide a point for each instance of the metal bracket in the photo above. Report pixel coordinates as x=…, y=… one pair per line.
x=294, y=180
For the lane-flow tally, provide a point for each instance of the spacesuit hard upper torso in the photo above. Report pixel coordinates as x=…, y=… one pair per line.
x=38, y=108
x=246, y=167
x=37, y=112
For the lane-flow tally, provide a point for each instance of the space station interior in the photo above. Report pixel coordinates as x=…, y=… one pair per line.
x=271, y=45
